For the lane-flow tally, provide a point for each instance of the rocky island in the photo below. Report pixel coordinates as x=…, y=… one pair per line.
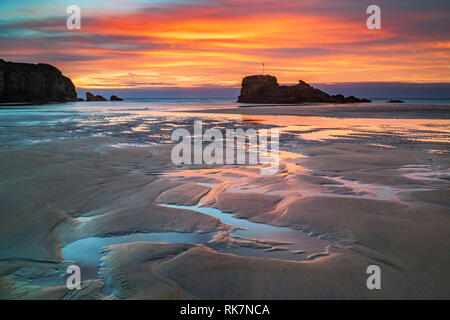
x=34, y=83
x=265, y=89
x=92, y=97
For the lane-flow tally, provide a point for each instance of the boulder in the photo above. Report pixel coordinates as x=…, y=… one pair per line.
x=34, y=83
x=91, y=97
x=265, y=89
x=115, y=98
x=353, y=99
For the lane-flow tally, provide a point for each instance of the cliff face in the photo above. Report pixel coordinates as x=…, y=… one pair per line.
x=265, y=89
x=34, y=83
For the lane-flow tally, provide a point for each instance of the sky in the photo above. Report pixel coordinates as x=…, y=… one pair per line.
x=213, y=44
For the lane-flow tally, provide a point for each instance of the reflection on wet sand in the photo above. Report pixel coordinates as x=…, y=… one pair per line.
x=97, y=184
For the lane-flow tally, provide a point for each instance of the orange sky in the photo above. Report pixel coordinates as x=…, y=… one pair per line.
x=196, y=43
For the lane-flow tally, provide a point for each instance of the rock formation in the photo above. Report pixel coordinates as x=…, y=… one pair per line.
x=34, y=83
x=265, y=89
x=115, y=98
x=91, y=97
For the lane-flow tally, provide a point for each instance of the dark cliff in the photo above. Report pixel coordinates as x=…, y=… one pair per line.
x=265, y=89
x=34, y=83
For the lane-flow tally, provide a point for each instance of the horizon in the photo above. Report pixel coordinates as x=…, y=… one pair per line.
x=370, y=90
x=366, y=89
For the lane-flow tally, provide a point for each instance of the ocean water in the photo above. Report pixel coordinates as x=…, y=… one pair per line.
x=413, y=100
x=143, y=121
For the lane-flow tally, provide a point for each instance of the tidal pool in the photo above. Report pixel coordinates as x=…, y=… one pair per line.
x=293, y=244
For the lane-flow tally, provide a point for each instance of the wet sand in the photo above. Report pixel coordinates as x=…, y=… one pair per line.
x=362, y=193
x=353, y=110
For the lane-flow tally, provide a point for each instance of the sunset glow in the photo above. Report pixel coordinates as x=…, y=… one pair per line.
x=137, y=44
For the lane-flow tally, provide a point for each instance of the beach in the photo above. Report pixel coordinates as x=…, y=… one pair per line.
x=94, y=184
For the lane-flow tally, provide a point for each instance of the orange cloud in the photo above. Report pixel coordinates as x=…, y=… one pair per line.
x=218, y=43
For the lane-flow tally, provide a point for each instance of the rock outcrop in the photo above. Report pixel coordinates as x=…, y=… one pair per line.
x=115, y=98
x=34, y=83
x=91, y=97
x=265, y=89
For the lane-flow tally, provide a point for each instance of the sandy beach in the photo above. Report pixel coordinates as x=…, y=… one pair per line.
x=224, y=158
x=96, y=186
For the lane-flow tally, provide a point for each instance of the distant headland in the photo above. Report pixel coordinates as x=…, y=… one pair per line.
x=34, y=83
x=27, y=83
x=265, y=89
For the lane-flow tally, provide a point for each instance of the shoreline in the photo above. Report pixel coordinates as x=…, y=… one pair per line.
x=391, y=110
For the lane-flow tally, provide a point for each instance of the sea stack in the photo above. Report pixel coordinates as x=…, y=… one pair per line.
x=265, y=89
x=34, y=83
x=91, y=97
x=115, y=98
